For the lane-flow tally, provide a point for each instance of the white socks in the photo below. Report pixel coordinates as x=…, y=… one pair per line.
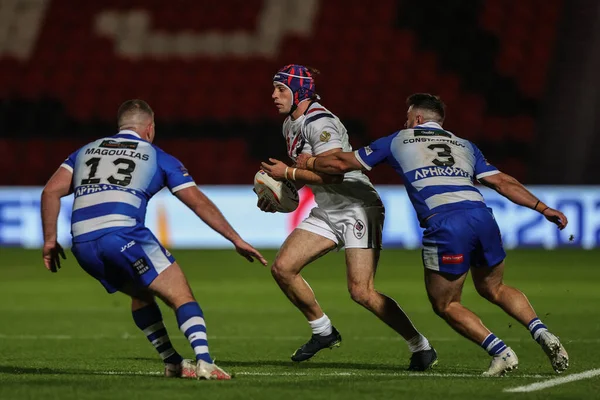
x=418, y=343
x=322, y=326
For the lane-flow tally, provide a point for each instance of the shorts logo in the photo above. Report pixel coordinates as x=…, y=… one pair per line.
x=359, y=229
x=128, y=245
x=453, y=259
x=325, y=136
x=141, y=266
x=368, y=150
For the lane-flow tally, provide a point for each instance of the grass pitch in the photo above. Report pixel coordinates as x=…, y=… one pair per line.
x=62, y=337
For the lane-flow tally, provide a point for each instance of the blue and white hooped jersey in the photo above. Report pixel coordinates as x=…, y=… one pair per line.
x=113, y=180
x=437, y=166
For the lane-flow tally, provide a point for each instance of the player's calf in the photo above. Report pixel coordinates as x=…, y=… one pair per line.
x=191, y=323
x=149, y=320
x=172, y=287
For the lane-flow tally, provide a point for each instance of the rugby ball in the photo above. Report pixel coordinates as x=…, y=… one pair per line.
x=282, y=195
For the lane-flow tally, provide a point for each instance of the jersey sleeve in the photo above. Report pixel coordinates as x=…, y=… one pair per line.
x=323, y=133
x=482, y=167
x=69, y=163
x=375, y=153
x=176, y=175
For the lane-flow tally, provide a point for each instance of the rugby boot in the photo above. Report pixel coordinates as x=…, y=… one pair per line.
x=423, y=360
x=316, y=344
x=209, y=371
x=185, y=369
x=555, y=351
x=502, y=363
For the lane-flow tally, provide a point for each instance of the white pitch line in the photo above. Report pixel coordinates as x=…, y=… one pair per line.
x=330, y=374
x=141, y=373
x=383, y=374
x=555, y=382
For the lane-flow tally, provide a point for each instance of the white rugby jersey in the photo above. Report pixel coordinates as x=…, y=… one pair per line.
x=316, y=132
x=113, y=180
x=438, y=167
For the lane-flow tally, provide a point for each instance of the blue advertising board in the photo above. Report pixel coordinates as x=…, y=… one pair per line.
x=177, y=227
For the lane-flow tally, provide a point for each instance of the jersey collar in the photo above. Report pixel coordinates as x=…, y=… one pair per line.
x=430, y=124
x=129, y=132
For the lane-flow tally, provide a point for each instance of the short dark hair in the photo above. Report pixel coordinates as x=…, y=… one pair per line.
x=133, y=106
x=427, y=101
x=313, y=71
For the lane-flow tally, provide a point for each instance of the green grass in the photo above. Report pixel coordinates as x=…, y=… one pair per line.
x=60, y=333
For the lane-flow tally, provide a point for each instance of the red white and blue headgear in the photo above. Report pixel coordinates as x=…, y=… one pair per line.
x=299, y=80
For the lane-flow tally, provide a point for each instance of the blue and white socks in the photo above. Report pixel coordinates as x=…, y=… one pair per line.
x=493, y=345
x=536, y=327
x=191, y=323
x=149, y=320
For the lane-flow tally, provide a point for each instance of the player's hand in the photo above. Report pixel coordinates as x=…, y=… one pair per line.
x=301, y=160
x=265, y=205
x=276, y=170
x=556, y=217
x=249, y=252
x=51, y=253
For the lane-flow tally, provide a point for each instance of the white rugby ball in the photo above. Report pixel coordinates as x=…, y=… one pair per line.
x=282, y=195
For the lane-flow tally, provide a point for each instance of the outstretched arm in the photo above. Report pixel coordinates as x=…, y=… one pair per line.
x=58, y=186
x=334, y=164
x=208, y=212
x=278, y=170
x=513, y=190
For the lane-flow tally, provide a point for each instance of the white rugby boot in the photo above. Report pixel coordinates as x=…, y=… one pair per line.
x=209, y=371
x=555, y=351
x=185, y=369
x=502, y=363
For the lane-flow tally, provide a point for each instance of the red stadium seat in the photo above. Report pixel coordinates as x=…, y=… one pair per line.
x=370, y=63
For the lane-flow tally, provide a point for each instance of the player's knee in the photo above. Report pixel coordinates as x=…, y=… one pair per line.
x=172, y=287
x=440, y=307
x=360, y=294
x=488, y=292
x=280, y=272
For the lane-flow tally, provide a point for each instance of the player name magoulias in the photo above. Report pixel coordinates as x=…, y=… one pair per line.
x=127, y=153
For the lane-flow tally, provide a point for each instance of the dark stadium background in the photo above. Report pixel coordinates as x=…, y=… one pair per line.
x=519, y=78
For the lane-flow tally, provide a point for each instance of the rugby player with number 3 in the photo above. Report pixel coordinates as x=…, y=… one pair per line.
x=461, y=234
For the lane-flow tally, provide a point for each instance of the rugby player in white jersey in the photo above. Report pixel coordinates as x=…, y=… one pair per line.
x=113, y=179
x=461, y=234
x=349, y=214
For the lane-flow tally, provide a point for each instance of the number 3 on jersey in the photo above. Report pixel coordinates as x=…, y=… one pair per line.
x=444, y=152
x=125, y=172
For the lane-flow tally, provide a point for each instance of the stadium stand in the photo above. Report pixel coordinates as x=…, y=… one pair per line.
x=65, y=66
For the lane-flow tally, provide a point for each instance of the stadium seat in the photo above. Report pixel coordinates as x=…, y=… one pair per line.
x=368, y=68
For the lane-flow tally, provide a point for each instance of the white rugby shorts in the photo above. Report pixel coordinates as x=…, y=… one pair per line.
x=352, y=228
